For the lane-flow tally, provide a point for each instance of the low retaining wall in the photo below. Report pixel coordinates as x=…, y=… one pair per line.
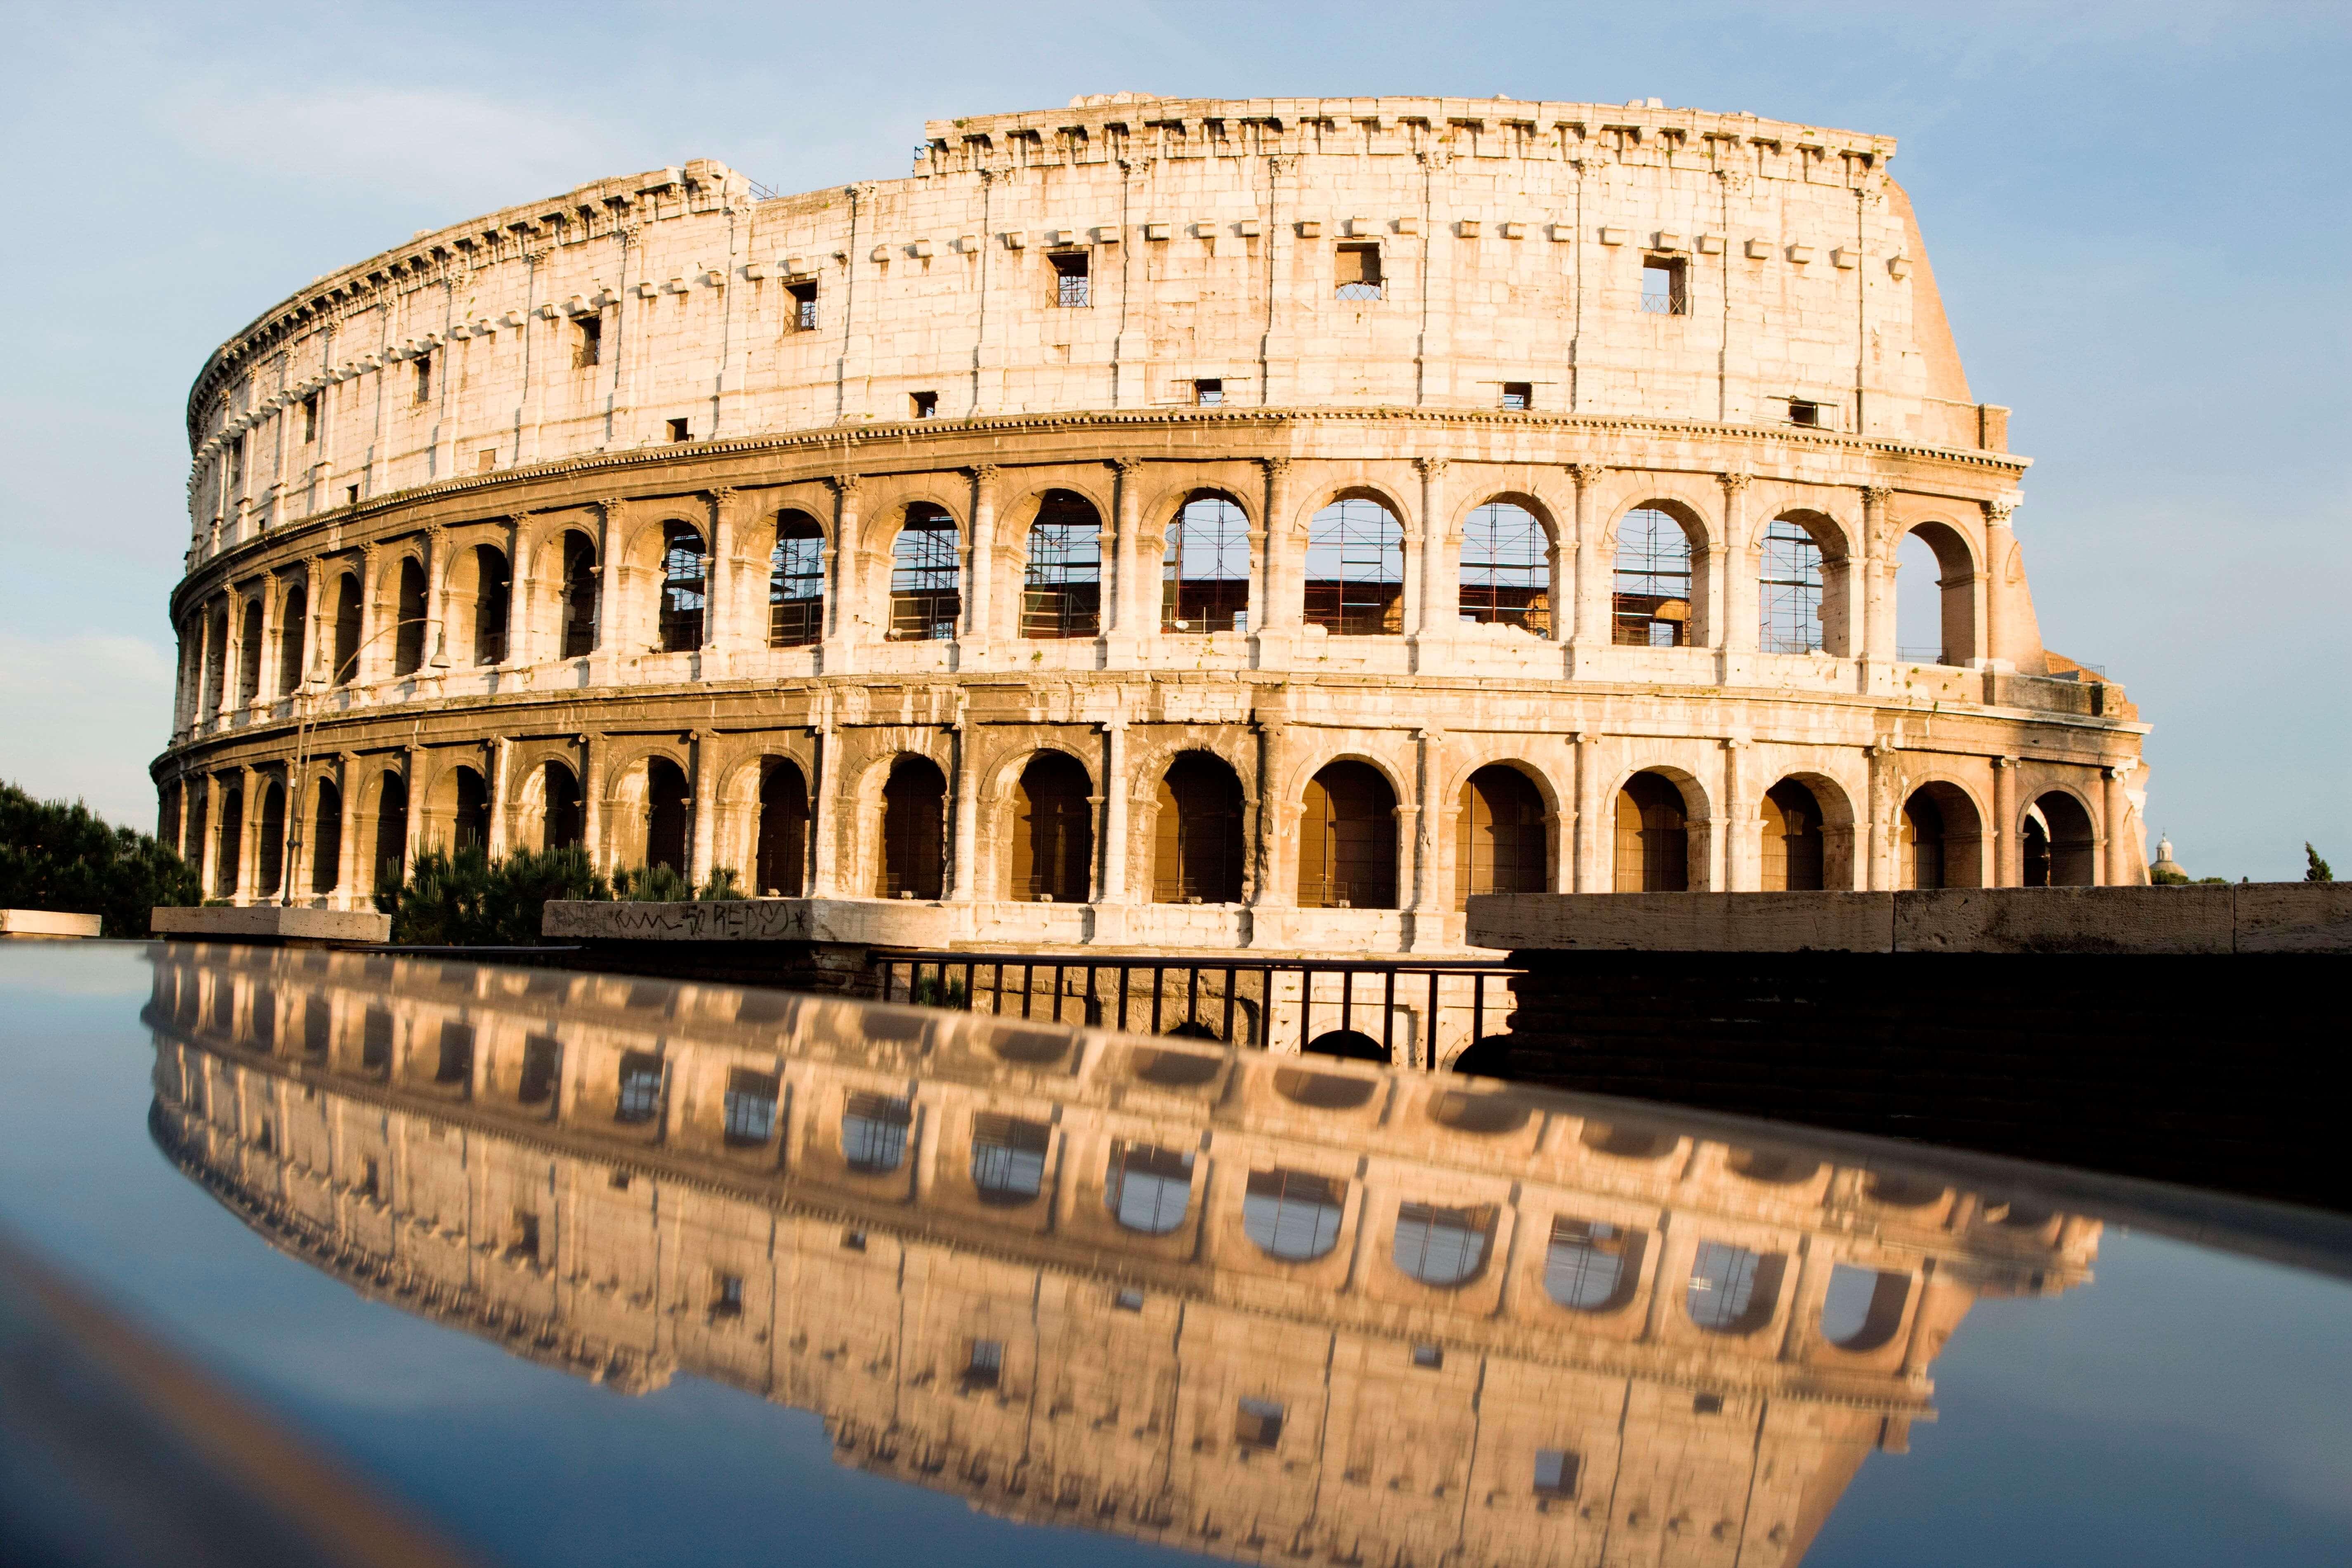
x=47, y=923
x=273, y=923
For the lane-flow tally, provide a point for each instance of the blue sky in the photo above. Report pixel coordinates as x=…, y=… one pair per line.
x=2137, y=213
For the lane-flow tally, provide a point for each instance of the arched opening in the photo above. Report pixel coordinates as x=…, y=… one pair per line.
x=1485, y=1116
x=1789, y=583
x=1197, y=842
x=1322, y=1091
x=2069, y=842
x=327, y=839
x=493, y=593
x=1354, y=570
x=1793, y=840
x=391, y=833
x=408, y=608
x=667, y=806
x=249, y=654
x=294, y=613
x=1204, y=570
x=227, y=859
x=348, y=599
x=579, y=610
x=2033, y=848
x=913, y=829
x=470, y=828
x=796, y=582
x=1291, y=1214
x=1176, y=1069
x=1348, y=1045
x=215, y=658
x=1733, y=1290
x=1053, y=832
x=1505, y=573
x=1591, y=1266
x=1772, y=1167
x=1901, y=1191
x=1499, y=836
x=1061, y=583
x=1942, y=838
x=564, y=823
x=1864, y=1307
x=1148, y=1189
x=926, y=594
x=1650, y=595
x=1627, y=1140
x=684, y=587
x=269, y=843
x=1008, y=1159
x=1441, y=1245
x=1347, y=840
x=1935, y=596
x=1653, y=836
x=783, y=855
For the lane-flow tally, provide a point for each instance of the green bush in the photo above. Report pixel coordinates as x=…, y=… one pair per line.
x=2314, y=868
x=58, y=857
x=522, y=884
x=666, y=885
x=468, y=900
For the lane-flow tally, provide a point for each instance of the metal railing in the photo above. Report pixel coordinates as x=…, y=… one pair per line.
x=1413, y=1013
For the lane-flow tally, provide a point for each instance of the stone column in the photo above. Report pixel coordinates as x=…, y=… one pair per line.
x=704, y=789
x=1741, y=843
x=436, y=611
x=1741, y=614
x=367, y=658
x=1878, y=641
x=1439, y=610
x=965, y=843
x=1124, y=626
x=1274, y=890
x=248, y=835
x=231, y=640
x=315, y=655
x=1592, y=574
x=1429, y=886
x=1873, y=844
x=608, y=590
x=718, y=631
x=980, y=593
x=347, y=844
x=2008, y=861
x=1590, y=874
x=2114, y=822
x=522, y=594
x=592, y=798
x=1993, y=625
x=844, y=580
x=1277, y=607
x=497, y=765
x=207, y=847
x=409, y=778
x=1116, y=790
x=825, y=816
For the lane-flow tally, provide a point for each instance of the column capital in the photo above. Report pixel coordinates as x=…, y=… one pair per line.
x=2010, y=762
x=1733, y=483
x=845, y=484
x=1430, y=467
x=2122, y=768
x=610, y=505
x=1875, y=495
x=1996, y=512
x=1585, y=473
x=1276, y=467
x=984, y=473
x=1127, y=466
x=722, y=496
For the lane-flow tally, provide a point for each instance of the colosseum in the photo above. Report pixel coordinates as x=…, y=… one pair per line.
x=1158, y=523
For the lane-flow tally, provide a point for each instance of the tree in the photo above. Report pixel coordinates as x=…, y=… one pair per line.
x=60, y=857
x=2315, y=869
x=468, y=900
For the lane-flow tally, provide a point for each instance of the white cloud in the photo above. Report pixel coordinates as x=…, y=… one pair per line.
x=80, y=717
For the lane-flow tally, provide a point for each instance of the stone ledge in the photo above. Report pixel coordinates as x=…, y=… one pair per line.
x=903, y=924
x=47, y=923
x=272, y=922
x=2271, y=917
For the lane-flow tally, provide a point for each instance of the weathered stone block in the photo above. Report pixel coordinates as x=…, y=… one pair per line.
x=272, y=922
x=2064, y=920
x=1681, y=922
x=46, y=923
x=903, y=924
x=2291, y=917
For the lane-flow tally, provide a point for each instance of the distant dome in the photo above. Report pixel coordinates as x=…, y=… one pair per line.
x=2164, y=861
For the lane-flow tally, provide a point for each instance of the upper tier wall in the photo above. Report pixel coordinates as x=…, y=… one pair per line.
x=1512, y=238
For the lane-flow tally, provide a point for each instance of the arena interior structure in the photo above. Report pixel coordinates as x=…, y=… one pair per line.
x=1173, y=524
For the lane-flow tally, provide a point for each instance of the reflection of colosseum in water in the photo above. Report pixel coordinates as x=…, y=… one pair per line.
x=1235, y=1304
x=1201, y=524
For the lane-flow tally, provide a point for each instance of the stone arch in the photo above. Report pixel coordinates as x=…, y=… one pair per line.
x=796, y=579
x=549, y=808
x=1441, y=1246
x=1050, y=836
x=922, y=560
x=1940, y=839
x=1813, y=816
x=293, y=636
x=576, y=603
x=1206, y=561
x=629, y=804
x=1660, y=594
x=1804, y=584
x=250, y=643
x=1062, y=567
x=1505, y=830
x=405, y=576
x=216, y=674
x=228, y=856
x=1199, y=843
x=326, y=835
x=457, y=806
x=387, y=799
x=1951, y=636
x=1862, y=1309
x=270, y=837
x=1357, y=559
x=351, y=599
x=910, y=858
x=1509, y=564
x=1347, y=839
x=478, y=592
x=1658, y=812
x=2058, y=835
x=679, y=576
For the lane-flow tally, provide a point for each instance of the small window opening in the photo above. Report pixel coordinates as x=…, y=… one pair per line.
x=351, y=495
x=727, y=1296
x=1430, y=1357
x=1129, y=1301
x=751, y=1107
x=539, y=1056
x=680, y=430
x=1209, y=392
x=926, y=405
x=424, y=377
x=371, y=1179
x=852, y=1241
x=1665, y=286
x=311, y=418
x=1805, y=411
x=1071, y=283
x=620, y=1181
x=1556, y=1472
x=486, y=460
x=1518, y=396
x=804, y=306
x=983, y=1368
x=641, y=1076
x=1257, y=1423
x=1358, y=276
x=1707, y=1405
x=526, y=1237
x=587, y=341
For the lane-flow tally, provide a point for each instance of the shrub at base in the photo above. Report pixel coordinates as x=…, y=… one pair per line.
x=61, y=858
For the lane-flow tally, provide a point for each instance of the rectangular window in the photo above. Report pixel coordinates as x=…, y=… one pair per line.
x=727, y=1296
x=587, y=341
x=1666, y=288
x=237, y=464
x=680, y=431
x=1805, y=411
x=540, y=1056
x=804, y=306
x=984, y=1367
x=526, y=1236
x=1556, y=1472
x=1257, y=1424
x=750, y=1107
x=1359, y=272
x=371, y=1179
x=487, y=460
x=1518, y=396
x=641, y=1076
x=926, y=405
x=1207, y=393
x=311, y=418
x=375, y=1040
x=424, y=377
x=1070, y=278
x=351, y=495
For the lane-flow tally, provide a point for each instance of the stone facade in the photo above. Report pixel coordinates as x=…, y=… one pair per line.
x=631, y=1179
x=1352, y=448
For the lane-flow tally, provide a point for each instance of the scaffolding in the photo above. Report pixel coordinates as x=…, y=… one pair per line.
x=1204, y=574
x=1506, y=569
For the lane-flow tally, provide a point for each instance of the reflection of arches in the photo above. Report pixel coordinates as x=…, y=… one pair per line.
x=1197, y=840
x=1942, y=838
x=1772, y=1167
x=2064, y=855
x=327, y=839
x=874, y=1133
x=1008, y=1159
x=1591, y=1266
x=1651, y=592
x=1204, y=566
x=1291, y=1214
x=667, y=809
x=913, y=829
x=1347, y=840
x=269, y=843
x=796, y=581
x=578, y=607
x=1864, y=1307
x=1733, y=1290
x=684, y=583
x=1653, y=836
x=1499, y=836
x=1148, y=1189
x=1354, y=570
x=1348, y=1045
x=1902, y=1192
x=1792, y=839
x=1177, y=1069
x=1053, y=831
x=926, y=590
x=1627, y=1140
x=1506, y=569
x=1323, y=1091
x=1061, y=583
x=1485, y=1116
x=1440, y=1246
x=783, y=852
x=391, y=833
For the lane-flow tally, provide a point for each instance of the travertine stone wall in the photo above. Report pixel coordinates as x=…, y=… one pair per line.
x=395, y=463
x=366, y=1116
